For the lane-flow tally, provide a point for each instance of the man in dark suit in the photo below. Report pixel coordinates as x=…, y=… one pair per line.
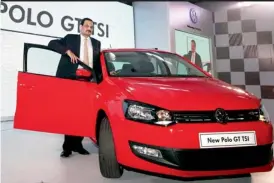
x=193, y=56
x=75, y=48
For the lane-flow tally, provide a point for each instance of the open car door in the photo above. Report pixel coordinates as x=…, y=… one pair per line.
x=46, y=103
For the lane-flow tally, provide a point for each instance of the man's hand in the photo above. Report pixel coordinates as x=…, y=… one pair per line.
x=73, y=58
x=112, y=73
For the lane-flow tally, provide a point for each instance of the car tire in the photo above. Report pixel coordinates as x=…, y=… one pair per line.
x=109, y=166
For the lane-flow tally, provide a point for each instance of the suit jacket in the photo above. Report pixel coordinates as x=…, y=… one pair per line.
x=72, y=42
x=198, y=60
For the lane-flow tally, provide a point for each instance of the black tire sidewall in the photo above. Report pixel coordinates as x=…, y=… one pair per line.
x=109, y=165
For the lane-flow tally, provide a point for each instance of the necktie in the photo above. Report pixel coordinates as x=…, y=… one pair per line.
x=193, y=57
x=86, y=60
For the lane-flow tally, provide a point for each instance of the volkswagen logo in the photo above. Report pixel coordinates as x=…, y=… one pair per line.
x=193, y=16
x=221, y=116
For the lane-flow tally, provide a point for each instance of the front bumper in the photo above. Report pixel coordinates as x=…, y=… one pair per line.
x=208, y=159
x=182, y=154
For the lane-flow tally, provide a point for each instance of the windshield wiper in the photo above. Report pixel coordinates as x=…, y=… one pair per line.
x=189, y=76
x=167, y=75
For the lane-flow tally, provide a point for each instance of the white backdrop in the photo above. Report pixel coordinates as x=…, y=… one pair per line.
x=114, y=26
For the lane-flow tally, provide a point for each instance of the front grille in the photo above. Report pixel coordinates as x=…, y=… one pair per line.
x=209, y=116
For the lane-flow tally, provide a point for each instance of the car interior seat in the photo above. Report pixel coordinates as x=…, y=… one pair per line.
x=127, y=69
x=145, y=67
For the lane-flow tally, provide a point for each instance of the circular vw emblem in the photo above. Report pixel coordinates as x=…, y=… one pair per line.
x=221, y=115
x=193, y=16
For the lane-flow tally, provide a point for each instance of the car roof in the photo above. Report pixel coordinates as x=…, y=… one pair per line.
x=132, y=49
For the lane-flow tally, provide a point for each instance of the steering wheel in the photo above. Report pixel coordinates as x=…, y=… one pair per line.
x=116, y=72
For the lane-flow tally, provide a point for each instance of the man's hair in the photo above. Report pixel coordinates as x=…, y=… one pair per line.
x=193, y=42
x=84, y=19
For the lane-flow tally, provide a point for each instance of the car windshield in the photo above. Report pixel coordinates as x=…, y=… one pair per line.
x=149, y=64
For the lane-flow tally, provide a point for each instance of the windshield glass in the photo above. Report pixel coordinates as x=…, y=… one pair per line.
x=149, y=64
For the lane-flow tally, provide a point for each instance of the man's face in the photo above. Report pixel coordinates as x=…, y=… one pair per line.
x=193, y=47
x=87, y=28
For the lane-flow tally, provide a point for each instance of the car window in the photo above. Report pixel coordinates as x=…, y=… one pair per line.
x=119, y=65
x=171, y=65
x=39, y=59
x=157, y=69
x=151, y=64
x=42, y=61
x=182, y=69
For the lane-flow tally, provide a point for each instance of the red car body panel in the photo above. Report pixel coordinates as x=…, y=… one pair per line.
x=56, y=111
x=207, y=91
x=62, y=106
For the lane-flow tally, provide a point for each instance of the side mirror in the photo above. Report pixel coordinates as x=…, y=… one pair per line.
x=83, y=74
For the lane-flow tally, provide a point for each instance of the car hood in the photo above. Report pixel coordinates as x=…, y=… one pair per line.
x=187, y=93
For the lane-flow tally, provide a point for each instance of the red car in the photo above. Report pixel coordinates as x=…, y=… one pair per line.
x=148, y=110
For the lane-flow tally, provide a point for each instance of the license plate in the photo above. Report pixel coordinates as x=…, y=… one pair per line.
x=227, y=139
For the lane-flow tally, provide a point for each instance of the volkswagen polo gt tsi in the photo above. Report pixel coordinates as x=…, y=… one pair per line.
x=147, y=110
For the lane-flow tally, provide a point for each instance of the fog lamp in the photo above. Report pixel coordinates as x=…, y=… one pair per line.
x=148, y=151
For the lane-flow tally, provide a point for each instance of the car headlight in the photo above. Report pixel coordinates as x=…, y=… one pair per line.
x=264, y=116
x=146, y=113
